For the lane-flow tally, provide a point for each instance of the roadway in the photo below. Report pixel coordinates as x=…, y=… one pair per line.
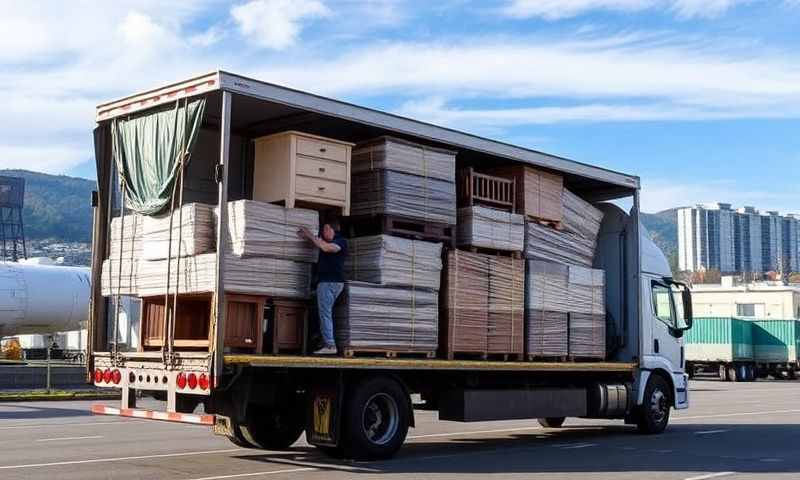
x=732, y=431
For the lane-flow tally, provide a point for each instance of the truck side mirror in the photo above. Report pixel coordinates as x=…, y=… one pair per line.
x=686, y=297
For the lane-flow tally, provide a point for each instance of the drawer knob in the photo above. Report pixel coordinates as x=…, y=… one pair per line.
x=323, y=150
x=321, y=169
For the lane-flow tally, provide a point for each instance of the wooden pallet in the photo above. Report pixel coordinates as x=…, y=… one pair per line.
x=555, y=359
x=486, y=356
x=400, y=226
x=579, y=358
x=491, y=251
x=378, y=352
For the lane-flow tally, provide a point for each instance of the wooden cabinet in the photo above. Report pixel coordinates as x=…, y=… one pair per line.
x=243, y=322
x=289, y=326
x=294, y=167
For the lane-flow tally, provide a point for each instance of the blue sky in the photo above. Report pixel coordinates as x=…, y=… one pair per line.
x=700, y=98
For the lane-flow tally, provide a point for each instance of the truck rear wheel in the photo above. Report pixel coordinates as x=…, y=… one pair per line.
x=552, y=422
x=653, y=415
x=723, y=372
x=270, y=429
x=375, y=419
x=733, y=374
x=237, y=437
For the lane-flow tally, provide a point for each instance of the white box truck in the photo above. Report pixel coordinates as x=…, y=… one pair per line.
x=361, y=407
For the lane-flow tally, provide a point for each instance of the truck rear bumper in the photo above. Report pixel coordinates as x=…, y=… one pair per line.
x=154, y=415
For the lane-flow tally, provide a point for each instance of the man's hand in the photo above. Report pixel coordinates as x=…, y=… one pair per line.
x=304, y=232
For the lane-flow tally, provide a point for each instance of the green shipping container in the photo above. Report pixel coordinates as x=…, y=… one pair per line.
x=776, y=341
x=719, y=339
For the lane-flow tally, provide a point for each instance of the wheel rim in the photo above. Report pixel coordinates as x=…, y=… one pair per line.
x=658, y=406
x=380, y=419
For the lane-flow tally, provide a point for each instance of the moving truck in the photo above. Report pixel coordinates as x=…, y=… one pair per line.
x=361, y=407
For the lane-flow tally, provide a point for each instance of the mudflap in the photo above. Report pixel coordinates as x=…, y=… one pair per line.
x=325, y=408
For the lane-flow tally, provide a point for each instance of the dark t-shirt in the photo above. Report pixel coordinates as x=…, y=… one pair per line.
x=331, y=265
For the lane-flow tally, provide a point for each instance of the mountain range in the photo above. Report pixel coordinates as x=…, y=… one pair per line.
x=58, y=207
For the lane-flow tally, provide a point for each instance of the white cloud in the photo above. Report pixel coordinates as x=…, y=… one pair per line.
x=276, y=24
x=687, y=79
x=703, y=8
x=559, y=9
x=436, y=110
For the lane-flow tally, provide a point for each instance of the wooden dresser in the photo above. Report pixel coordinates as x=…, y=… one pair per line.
x=298, y=167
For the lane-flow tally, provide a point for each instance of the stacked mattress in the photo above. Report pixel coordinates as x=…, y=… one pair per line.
x=396, y=177
x=192, y=232
x=565, y=312
x=489, y=228
x=376, y=317
x=394, y=261
x=266, y=257
x=259, y=229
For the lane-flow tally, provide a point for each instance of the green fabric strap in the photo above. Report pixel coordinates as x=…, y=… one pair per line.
x=147, y=151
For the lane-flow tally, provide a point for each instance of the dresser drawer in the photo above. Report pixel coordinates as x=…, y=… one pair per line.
x=322, y=149
x=319, y=188
x=325, y=169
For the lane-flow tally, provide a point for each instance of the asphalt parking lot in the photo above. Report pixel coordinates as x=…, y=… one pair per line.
x=731, y=431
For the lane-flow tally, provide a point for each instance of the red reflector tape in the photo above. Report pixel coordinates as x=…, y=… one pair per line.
x=154, y=415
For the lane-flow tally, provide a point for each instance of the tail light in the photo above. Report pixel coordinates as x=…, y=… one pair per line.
x=203, y=381
x=107, y=375
x=192, y=381
x=181, y=380
x=131, y=377
x=98, y=375
x=116, y=376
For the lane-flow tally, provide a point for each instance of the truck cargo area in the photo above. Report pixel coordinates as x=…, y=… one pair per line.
x=495, y=281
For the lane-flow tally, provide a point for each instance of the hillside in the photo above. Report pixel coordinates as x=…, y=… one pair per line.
x=56, y=206
x=663, y=228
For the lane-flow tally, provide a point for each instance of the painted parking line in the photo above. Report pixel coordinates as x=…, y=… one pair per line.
x=58, y=439
x=711, y=475
x=710, y=432
x=118, y=459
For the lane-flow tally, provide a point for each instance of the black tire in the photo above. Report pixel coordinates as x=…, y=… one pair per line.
x=751, y=373
x=652, y=416
x=723, y=372
x=237, y=437
x=375, y=419
x=552, y=422
x=733, y=374
x=791, y=374
x=270, y=429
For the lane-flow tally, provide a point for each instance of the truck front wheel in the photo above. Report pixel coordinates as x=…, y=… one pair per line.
x=653, y=415
x=375, y=419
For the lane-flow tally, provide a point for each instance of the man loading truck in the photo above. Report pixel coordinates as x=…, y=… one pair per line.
x=330, y=273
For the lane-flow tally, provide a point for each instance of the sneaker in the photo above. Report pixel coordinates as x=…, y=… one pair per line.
x=327, y=350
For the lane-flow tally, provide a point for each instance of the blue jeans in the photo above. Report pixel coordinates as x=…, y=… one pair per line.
x=327, y=293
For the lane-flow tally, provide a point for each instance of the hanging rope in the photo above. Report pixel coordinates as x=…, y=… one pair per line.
x=115, y=343
x=168, y=327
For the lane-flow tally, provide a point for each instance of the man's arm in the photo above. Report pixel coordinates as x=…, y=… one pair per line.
x=327, y=247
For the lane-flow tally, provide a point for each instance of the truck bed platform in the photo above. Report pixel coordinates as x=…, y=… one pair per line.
x=286, y=361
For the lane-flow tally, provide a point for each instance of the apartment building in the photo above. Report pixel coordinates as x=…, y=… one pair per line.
x=716, y=237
